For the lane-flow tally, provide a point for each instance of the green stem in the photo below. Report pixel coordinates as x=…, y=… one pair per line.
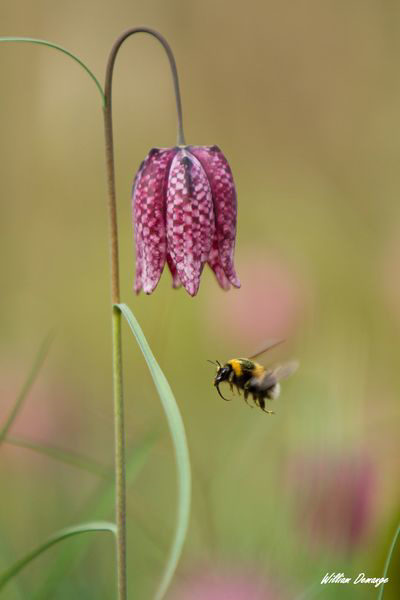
x=61, y=49
x=115, y=290
x=106, y=96
x=178, y=435
x=120, y=470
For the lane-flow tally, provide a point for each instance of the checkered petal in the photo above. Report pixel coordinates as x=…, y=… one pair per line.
x=176, y=282
x=215, y=264
x=148, y=204
x=225, y=206
x=190, y=218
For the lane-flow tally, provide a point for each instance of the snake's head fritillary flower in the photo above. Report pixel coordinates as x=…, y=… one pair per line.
x=184, y=213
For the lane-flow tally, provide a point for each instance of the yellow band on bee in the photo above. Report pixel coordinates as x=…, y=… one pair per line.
x=236, y=366
x=258, y=370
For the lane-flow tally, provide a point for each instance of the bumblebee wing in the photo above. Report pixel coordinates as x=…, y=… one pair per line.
x=285, y=370
x=263, y=383
x=271, y=378
x=267, y=345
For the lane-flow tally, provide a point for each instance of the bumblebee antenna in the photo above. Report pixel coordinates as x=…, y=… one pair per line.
x=214, y=362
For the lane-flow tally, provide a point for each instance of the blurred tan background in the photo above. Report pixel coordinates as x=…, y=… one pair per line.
x=303, y=98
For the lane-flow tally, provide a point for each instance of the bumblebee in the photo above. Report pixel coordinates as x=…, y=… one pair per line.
x=253, y=379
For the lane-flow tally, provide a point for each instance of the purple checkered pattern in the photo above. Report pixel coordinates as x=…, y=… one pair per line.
x=215, y=264
x=190, y=218
x=184, y=212
x=176, y=282
x=149, y=219
x=225, y=206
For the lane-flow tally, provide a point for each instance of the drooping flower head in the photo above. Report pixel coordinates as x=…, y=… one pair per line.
x=184, y=213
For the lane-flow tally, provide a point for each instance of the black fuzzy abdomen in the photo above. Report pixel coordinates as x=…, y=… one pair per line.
x=241, y=380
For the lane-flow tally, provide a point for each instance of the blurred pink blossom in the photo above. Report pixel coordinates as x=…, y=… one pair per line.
x=270, y=304
x=226, y=584
x=333, y=499
x=42, y=416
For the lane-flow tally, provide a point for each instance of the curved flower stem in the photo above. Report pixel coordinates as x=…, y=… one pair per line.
x=64, y=51
x=109, y=138
x=115, y=292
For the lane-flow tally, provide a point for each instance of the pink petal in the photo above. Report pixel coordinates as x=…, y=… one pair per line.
x=225, y=204
x=190, y=218
x=148, y=200
x=176, y=283
x=215, y=264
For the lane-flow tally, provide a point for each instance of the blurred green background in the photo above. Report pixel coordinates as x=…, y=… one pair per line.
x=303, y=98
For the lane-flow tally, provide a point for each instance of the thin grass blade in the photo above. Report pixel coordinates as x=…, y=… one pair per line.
x=33, y=373
x=388, y=561
x=63, y=534
x=15, y=589
x=64, y=51
x=99, y=506
x=65, y=456
x=178, y=435
x=310, y=593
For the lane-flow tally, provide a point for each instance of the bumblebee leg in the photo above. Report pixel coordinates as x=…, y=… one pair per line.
x=261, y=404
x=245, y=394
x=230, y=381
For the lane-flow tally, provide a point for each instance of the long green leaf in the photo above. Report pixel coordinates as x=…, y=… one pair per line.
x=54, y=539
x=37, y=363
x=180, y=446
x=70, y=458
x=388, y=560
